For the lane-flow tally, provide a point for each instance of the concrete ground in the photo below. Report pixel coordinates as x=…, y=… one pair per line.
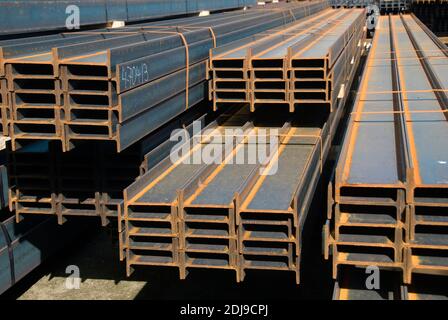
x=99, y=270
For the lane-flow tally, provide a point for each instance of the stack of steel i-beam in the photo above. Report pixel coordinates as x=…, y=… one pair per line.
x=389, y=200
x=119, y=84
x=87, y=181
x=297, y=66
x=394, y=6
x=74, y=97
x=188, y=213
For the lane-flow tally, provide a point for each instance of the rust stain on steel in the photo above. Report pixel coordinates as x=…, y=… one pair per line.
x=403, y=215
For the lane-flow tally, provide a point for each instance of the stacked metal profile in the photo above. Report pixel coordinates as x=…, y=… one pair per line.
x=394, y=6
x=385, y=6
x=87, y=181
x=390, y=197
x=38, y=16
x=79, y=183
x=433, y=13
x=298, y=66
x=228, y=214
x=119, y=84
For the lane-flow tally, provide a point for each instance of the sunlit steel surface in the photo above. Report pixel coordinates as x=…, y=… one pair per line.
x=389, y=199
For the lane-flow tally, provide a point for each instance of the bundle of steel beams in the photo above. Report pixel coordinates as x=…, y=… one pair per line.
x=389, y=199
x=45, y=181
x=384, y=6
x=119, y=84
x=87, y=181
x=231, y=213
x=302, y=65
x=433, y=14
x=394, y=6
x=37, y=16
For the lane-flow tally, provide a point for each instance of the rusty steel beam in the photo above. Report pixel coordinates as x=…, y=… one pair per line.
x=217, y=215
x=298, y=66
x=88, y=181
x=93, y=85
x=391, y=186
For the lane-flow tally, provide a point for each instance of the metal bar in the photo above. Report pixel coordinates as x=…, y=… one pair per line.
x=295, y=66
x=91, y=85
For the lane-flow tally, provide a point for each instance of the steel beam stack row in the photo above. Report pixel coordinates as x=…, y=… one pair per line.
x=227, y=214
x=385, y=6
x=37, y=16
x=301, y=66
x=87, y=181
x=394, y=6
x=389, y=201
x=119, y=84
